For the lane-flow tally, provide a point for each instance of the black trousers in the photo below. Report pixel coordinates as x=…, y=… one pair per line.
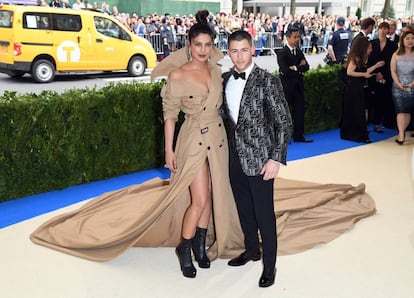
x=254, y=201
x=295, y=97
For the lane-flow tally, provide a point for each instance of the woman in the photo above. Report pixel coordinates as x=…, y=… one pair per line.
x=196, y=73
x=380, y=102
x=315, y=33
x=199, y=164
x=402, y=72
x=353, y=125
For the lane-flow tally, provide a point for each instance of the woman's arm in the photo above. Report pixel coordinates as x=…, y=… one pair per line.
x=351, y=70
x=170, y=157
x=375, y=66
x=394, y=75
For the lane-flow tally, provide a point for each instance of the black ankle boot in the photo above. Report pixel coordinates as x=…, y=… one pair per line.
x=199, y=248
x=183, y=252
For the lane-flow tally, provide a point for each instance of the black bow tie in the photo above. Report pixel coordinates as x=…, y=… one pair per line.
x=237, y=75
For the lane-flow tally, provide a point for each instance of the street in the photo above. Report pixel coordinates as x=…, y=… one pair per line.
x=67, y=81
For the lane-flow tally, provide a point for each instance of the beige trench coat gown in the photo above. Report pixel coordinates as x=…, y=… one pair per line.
x=151, y=214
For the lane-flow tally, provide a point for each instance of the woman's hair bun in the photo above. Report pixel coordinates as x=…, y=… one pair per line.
x=201, y=16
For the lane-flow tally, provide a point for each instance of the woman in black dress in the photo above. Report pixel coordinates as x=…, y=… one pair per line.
x=381, y=105
x=353, y=125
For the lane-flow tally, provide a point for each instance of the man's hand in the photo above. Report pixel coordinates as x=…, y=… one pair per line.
x=270, y=170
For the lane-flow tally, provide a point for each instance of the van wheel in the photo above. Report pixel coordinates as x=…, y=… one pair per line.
x=136, y=66
x=43, y=71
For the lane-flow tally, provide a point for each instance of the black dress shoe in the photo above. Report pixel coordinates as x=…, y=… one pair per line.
x=302, y=140
x=244, y=258
x=399, y=142
x=267, y=279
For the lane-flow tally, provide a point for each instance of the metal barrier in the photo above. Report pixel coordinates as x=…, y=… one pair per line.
x=306, y=44
x=264, y=42
x=267, y=42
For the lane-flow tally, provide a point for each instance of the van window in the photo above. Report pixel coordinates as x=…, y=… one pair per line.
x=39, y=21
x=109, y=28
x=66, y=22
x=58, y=22
x=6, y=19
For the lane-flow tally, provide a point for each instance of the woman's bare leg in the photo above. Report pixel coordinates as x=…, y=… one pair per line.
x=198, y=213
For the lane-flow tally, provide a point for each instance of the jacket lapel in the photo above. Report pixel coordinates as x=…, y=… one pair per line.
x=247, y=96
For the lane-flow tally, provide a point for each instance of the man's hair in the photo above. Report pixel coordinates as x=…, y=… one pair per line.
x=240, y=35
x=365, y=23
x=290, y=31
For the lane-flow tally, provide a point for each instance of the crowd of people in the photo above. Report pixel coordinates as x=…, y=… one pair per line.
x=379, y=79
x=314, y=30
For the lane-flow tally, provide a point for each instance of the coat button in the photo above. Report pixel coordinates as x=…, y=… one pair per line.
x=219, y=124
x=208, y=148
x=204, y=108
x=190, y=96
x=200, y=143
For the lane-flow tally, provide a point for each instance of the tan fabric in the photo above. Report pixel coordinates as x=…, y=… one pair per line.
x=140, y=215
x=103, y=229
x=151, y=214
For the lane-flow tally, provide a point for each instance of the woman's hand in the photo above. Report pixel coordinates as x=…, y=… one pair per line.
x=171, y=160
x=379, y=64
x=367, y=74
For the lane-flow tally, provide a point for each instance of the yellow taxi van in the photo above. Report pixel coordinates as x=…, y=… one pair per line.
x=43, y=40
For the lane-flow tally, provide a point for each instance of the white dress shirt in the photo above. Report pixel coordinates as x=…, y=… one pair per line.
x=234, y=92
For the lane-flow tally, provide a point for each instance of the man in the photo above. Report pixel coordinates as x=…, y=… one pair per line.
x=77, y=4
x=338, y=43
x=258, y=125
x=167, y=36
x=367, y=26
x=292, y=66
x=392, y=34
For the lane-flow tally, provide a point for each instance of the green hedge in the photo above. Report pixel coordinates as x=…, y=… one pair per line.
x=323, y=95
x=52, y=141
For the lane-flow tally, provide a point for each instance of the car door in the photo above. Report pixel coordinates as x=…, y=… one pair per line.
x=70, y=41
x=111, y=44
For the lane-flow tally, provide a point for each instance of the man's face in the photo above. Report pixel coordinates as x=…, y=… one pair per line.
x=241, y=53
x=293, y=39
x=393, y=27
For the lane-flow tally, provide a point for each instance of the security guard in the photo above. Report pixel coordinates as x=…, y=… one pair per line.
x=338, y=44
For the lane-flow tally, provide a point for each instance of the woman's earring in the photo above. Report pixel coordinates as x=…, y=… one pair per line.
x=189, y=54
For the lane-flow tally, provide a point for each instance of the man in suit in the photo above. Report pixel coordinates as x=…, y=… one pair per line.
x=392, y=34
x=367, y=26
x=258, y=128
x=292, y=66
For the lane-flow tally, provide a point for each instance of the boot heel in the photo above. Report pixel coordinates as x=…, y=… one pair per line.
x=198, y=245
x=183, y=252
